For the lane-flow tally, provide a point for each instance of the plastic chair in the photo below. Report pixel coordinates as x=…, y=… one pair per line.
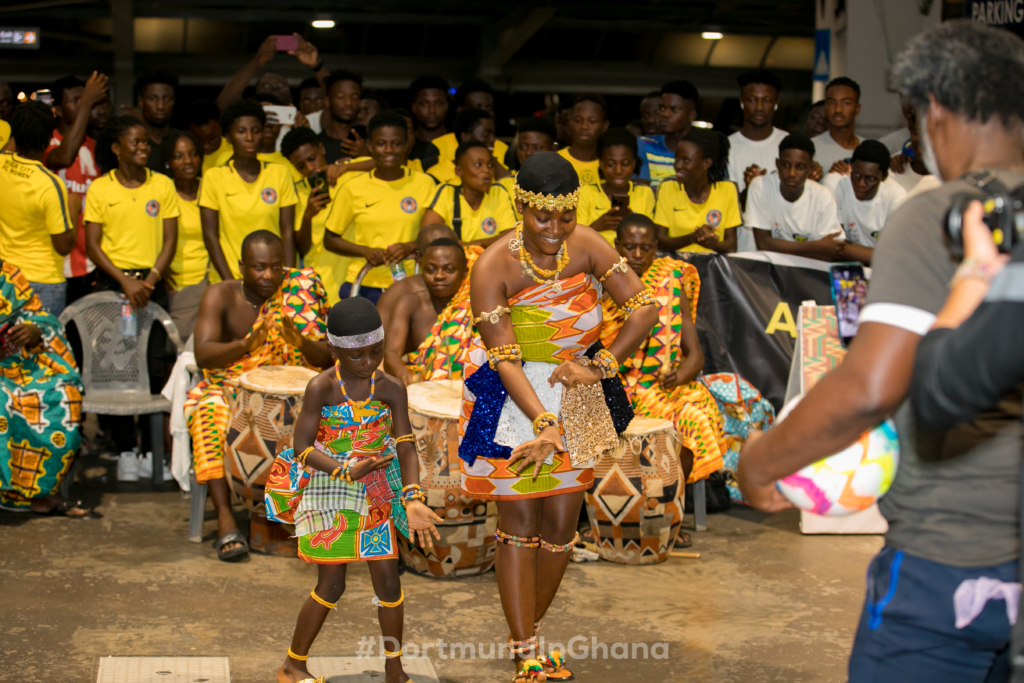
x=197, y=491
x=358, y=283
x=115, y=374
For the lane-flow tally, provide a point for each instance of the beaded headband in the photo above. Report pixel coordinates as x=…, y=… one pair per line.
x=356, y=341
x=547, y=202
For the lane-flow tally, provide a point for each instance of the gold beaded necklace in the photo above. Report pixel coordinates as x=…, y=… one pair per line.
x=533, y=270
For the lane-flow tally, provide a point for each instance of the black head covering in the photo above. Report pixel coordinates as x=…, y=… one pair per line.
x=548, y=173
x=353, y=316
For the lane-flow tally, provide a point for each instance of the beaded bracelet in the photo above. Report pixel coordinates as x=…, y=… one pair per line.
x=346, y=471
x=509, y=352
x=412, y=492
x=604, y=360
x=301, y=458
x=972, y=269
x=644, y=298
x=543, y=421
x=334, y=474
x=493, y=316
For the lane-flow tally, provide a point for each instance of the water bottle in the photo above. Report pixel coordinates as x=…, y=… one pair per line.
x=397, y=271
x=128, y=322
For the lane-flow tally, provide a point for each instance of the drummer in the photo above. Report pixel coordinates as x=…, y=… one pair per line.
x=434, y=326
x=241, y=327
x=660, y=378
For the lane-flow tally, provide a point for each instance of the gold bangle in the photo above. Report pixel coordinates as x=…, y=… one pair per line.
x=156, y=270
x=299, y=658
x=328, y=605
x=493, y=316
x=405, y=437
x=543, y=421
x=392, y=655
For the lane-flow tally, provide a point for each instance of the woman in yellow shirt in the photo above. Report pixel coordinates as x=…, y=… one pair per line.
x=131, y=231
x=699, y=210
x=602, y=206
x=191, y=260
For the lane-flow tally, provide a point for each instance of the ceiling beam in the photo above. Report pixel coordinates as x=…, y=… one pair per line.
x=514, y=38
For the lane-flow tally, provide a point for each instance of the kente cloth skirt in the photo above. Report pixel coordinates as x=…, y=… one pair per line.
x=353, y=538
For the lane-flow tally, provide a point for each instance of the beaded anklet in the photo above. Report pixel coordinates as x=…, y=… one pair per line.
x=392, y=655
x=517, y=541
x=564, y=548
x=523, y=646
x=328, y=605
x=298, y=658
x=382, y=603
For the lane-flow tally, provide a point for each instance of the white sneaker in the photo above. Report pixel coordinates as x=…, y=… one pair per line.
x=128, y=466
x=145, y=465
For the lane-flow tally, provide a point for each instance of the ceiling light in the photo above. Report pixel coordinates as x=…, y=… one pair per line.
x=323, y=23
x=711, y=35
x=702, y=124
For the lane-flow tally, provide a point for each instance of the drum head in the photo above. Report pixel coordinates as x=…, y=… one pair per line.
x=283, y=380
x=640, y=426
x=441, y=398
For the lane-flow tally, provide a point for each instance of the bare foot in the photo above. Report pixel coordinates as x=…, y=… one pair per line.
x=393, y=672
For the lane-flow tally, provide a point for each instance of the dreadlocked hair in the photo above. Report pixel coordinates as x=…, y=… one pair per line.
x=713, y=145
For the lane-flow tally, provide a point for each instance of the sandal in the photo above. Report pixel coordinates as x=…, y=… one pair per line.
x=62, y=510
x=225, y=555
x=530, y=671
x=683, y=540
x=556, y=662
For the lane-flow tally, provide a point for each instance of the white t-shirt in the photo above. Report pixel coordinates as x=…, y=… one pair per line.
x=827, y=151
x=913, y=182
x=744, y=153
x=863, y=221
x=811, y=217
x=895, y=140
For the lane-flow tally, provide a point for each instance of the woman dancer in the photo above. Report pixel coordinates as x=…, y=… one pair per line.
x=537, y=299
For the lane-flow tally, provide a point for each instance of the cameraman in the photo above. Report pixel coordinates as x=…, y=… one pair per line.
x=952, y=508
x=967, y=364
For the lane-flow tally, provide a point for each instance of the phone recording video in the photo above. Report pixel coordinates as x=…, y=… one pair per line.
x=850, y=293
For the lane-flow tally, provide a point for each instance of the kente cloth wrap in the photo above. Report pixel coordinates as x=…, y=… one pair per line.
x=350, y=431
x=550, y=326
x=690, y=407
x=303, y=299
x=743, y=408
x=445, y=351
x=41, y=404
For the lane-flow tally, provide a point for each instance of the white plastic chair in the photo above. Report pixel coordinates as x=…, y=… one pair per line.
x=115, y=374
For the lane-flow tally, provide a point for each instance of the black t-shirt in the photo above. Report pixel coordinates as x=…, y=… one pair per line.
x=426, y=152
x=156, y=162
x=332, y=146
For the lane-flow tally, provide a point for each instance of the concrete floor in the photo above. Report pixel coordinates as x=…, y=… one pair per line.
x=763, y=602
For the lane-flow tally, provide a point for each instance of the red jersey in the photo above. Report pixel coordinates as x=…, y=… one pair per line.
x=77, y=177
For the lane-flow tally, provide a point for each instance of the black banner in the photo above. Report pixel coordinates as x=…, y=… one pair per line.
x=746, y=315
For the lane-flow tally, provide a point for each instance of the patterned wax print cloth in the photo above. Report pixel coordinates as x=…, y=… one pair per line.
x=743, y=408
x=690, y=407
x=337, y=522
x=41, y=400
x=302, y=298
x=552, y=323
x=444, y=353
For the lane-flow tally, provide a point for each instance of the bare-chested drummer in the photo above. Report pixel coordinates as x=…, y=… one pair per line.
x=413, y=283
x=241, y=327
x=434, y=326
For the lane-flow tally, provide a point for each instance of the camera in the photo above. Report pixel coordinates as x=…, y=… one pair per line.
x=1004, y=213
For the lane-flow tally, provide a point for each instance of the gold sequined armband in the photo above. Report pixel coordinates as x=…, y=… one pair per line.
x=509, y=352
x=620, y=267
x=543, y=421
x=644, y=298
x=493, y=316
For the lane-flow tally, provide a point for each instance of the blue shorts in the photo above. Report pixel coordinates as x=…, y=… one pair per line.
x=908, y=633
x=371, y=293
x=52, y=296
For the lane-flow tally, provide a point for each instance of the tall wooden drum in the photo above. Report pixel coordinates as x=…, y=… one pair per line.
x=467, y=540
x=636, y=505
x=263, y=415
